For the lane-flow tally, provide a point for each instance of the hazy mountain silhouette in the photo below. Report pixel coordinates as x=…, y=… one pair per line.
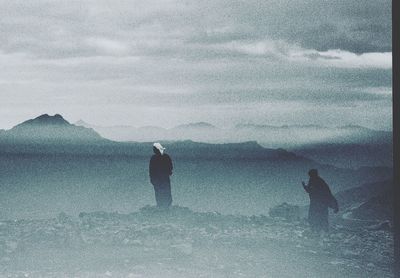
x=53, y=160
x=305, y=135
x=198, y=125
x=84, y=124
x=267, y=135
x=123, y=133
x=49, y=134
x=379, y=207
x=363, y=193
x=246, y=150
x=54, y=134
x=200, y=131
x=87, y=125
x=272, y=127
x=370, y=201
x=350, y=155
x=349, y=146
x=49, y=129
x=44, y=120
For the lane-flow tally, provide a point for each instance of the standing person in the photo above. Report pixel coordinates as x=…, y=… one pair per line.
x=321, y=199
x=160, y=169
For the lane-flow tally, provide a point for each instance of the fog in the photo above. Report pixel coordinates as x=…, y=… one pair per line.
x=40, y=186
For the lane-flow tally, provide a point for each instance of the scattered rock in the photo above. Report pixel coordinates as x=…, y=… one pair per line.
x=286, y=211
x=385, y=225
x=185, y=248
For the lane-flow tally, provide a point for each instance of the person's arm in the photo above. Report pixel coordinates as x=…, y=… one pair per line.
x=306, y=187
x=333, y=203
x=151, y=170
x=171, y=166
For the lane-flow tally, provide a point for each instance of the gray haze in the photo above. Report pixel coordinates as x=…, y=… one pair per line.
x=172, y=62
x=309, y=80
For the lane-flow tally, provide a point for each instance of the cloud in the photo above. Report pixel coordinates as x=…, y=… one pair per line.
x=224, y=56
x=355, y=26
x=345, y=59
x=107, y=46
x=68, y=28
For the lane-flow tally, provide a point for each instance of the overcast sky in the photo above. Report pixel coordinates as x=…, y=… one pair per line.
x=172, y=62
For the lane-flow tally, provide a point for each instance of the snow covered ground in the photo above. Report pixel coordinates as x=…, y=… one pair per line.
x=183, y=243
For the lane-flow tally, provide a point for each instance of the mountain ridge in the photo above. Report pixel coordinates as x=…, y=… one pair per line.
x=46, y=129
x=54, y=134
x=49, y=129
x=240, y=125
x=44, y=119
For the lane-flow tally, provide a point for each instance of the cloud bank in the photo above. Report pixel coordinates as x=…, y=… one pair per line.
x=225, y=62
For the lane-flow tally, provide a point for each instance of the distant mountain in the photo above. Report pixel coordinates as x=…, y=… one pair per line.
x=362, y=135
x=283, y=127
x=193, y=131
x=304, y=135
x=49, y=129
x=371, y=201
x=360, y=194
x=54, y=134
x=125, y=133
x=233, y=164
x=200, y=132
x=44, y=120
x=246, y=150
x=349, y=146
x=286, y=136
x=350, y=155
x=198, y=125
x=84, y=124
x=379, y=207
x=352, y=147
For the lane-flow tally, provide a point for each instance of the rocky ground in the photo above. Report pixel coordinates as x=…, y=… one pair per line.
x=183, y=243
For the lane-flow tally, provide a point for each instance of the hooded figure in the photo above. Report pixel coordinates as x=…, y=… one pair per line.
x=160, y=169
x=321, y=199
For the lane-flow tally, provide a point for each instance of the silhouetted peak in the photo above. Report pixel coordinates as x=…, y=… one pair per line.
x=46, y=128
x=249, y=144
x=257, y=126
x=46, y=119
x=244, y=126
x=354, y=127
x=82, y=123
x=196, y=125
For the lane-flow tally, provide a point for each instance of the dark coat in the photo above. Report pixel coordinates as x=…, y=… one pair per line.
x=160, y=168
x=321, y=199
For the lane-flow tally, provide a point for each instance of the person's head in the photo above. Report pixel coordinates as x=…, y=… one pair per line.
x=158, y=149
x=313, y=173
